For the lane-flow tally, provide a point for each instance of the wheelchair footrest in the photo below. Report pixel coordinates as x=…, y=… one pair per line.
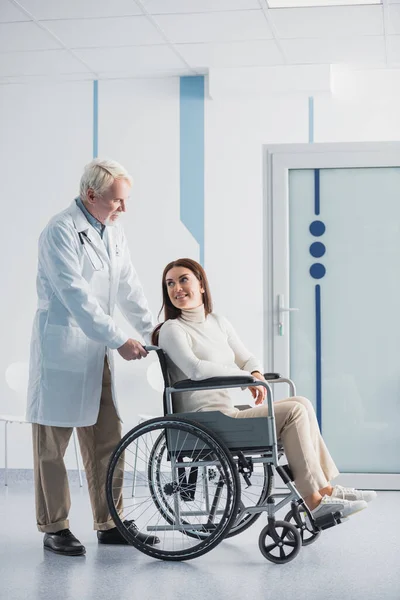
x=330, y=520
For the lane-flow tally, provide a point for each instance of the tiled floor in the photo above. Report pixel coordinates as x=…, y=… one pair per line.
x=358, y=560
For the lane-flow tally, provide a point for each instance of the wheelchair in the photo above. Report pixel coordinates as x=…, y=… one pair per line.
x=193, y=479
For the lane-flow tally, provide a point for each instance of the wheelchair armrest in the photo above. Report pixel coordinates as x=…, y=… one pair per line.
x=211, y=381
x=271, y=376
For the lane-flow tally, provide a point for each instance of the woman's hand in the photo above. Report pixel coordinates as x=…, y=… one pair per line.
x=258, y=392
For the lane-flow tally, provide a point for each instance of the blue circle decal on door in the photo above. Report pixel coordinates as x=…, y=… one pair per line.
x=317, y=228
x=317, y=249
x=317, y=271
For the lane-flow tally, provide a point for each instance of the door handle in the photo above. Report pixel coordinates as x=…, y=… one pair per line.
x=281, y=310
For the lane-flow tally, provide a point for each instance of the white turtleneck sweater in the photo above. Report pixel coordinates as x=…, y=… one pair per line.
x=199, y=347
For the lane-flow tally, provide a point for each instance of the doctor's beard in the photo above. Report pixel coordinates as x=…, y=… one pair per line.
x=109, y=222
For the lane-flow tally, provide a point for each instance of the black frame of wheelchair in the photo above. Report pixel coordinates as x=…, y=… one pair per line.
x=244, y=438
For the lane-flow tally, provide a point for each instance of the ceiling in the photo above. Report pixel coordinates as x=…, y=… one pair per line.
x=100, y=39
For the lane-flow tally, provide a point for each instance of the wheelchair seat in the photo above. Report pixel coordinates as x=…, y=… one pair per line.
x=238, y=434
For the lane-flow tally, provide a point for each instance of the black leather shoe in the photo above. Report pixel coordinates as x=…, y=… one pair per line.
x=63, y=542
x=113, y=536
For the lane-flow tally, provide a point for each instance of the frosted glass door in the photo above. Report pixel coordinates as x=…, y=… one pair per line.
x=344, y=277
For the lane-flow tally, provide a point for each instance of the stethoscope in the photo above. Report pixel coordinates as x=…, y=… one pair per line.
x=85, y=238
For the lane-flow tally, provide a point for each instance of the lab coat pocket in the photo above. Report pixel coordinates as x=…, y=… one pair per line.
x=64, y=348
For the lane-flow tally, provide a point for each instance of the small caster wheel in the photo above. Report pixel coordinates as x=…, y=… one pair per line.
x=280, y=542
x=298, y=520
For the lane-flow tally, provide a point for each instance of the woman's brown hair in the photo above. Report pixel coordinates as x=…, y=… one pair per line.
x=170, y=311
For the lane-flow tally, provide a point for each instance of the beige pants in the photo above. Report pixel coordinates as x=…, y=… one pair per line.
x=97, y=443
x=306, y=452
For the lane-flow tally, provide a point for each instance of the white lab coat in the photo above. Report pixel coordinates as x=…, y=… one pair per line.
x=78, y=285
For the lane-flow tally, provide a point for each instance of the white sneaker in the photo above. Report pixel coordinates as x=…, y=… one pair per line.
x=345, y=493
x=329, y=505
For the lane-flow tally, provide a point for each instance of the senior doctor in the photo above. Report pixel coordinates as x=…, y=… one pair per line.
x=84, y=269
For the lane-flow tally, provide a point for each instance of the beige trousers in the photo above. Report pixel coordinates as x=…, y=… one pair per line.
x=97, y=443
x=306, y=452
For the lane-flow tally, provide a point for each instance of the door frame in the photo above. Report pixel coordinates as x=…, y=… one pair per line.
x=278, y=160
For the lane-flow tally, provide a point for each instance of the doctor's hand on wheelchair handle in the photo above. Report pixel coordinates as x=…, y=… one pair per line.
x=132, y=350
x=258, y=392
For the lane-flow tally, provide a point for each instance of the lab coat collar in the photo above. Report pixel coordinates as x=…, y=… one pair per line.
x=81, y=223
x=83, y=226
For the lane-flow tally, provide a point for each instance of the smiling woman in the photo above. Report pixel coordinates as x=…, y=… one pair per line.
x=184, y=286
x=200, y=344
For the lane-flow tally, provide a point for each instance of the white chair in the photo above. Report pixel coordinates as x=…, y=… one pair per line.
x=13, y=419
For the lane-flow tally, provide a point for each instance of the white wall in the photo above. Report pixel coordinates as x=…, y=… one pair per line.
x=46, y=139
x=236, y=129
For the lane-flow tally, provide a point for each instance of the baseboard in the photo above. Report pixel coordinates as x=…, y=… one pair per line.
x=367, y=481
x=26, y=476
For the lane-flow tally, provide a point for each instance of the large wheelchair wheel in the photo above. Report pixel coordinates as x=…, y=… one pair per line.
x=159, y=456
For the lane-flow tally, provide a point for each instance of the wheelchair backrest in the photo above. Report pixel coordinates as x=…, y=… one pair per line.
x=162, y=357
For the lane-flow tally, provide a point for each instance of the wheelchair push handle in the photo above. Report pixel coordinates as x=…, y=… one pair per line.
x=156, y=349
x=150, y=348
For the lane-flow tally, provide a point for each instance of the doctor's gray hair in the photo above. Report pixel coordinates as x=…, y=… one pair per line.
x=100, y=174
